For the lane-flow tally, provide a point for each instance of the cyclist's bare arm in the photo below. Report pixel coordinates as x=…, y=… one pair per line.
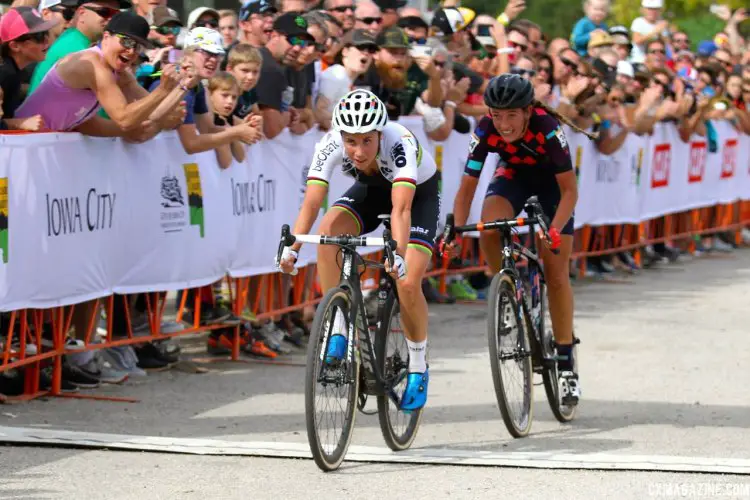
x=464, y=197
x=314, y=196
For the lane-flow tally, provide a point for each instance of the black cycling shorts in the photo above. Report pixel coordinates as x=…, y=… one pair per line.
x=517, y=191
x=365, y=202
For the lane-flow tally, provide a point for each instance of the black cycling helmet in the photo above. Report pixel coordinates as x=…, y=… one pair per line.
x=508, y=91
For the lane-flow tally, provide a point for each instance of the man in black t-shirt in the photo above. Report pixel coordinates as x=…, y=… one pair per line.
x=277, y=86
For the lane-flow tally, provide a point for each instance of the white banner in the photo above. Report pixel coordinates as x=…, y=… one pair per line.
x=82, y=218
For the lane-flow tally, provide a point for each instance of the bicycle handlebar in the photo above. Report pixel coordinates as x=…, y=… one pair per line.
x=536, y=215
x=288, y=239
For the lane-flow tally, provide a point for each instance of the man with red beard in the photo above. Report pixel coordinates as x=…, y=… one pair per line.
x=404, y=78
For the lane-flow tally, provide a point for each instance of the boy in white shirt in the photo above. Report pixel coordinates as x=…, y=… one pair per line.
x=648, y=27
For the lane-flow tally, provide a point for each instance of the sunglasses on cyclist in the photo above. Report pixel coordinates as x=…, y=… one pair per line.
x=167, y=30
x=103, y=12
x=343, y=8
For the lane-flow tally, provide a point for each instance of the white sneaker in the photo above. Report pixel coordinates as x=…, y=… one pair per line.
x=570, y=389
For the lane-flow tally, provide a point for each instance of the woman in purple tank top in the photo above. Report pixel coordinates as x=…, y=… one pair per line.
x=81, y=83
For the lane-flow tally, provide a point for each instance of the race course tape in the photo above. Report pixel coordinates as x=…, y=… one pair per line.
x=434, y=456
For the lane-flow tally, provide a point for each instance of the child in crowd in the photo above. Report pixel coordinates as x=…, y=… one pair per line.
x=244, y=62
x=223, y=93
x=596, y=12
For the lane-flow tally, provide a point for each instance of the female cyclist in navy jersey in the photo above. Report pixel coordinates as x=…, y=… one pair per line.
x=534, y=161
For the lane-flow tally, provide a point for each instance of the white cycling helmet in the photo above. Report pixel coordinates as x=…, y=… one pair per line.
x=358, y=112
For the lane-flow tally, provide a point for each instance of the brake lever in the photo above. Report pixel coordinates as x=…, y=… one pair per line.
x=287, y=240
x=390, y=246
x=448, y=233
x=544, y=223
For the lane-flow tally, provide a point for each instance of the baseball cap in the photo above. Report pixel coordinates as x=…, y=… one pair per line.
x=251, y=7
x=684, y=53
x=619, y=30
x=625, y=68
x=451, y=20
x=412, y=22
x=652, y=4
x=599, y=39
x=48, y=4
x=131, y=25
x=197, y=13
x=705, y=48
x=291, y=24
x=163, y=15
x=393, y=38
x=359, y=38
x=20, y=21
x=205, y=39
x=390, y=4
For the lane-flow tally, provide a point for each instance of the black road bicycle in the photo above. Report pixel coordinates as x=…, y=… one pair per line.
x=376, y=362
x=520, y=341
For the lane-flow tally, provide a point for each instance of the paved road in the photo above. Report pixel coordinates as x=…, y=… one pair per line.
x=664, y=371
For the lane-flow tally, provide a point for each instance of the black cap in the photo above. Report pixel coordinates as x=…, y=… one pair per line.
x=413, y=22
x=619, y=30
x=390, y=4
x=251, y=7
x=393, y=38
x=291, y=24
x=448, y=21
x=131, y=25
x=359, y=38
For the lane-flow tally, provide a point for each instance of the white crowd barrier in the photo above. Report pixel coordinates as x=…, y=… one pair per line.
x=81, y=218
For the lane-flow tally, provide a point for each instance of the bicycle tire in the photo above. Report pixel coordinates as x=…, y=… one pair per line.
x=389, y=367
x=562, y=413
x=503, y=289
x=341, y=299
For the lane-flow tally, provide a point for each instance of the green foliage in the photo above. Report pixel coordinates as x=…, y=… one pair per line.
x=557, y=17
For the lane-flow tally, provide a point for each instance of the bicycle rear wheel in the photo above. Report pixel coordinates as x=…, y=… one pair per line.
x=510, y=356
x=330, y=391
x=399, y=428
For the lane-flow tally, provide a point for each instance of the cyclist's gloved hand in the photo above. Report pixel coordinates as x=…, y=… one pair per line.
x=554, y=236
x=399, y=267
x=288, y=258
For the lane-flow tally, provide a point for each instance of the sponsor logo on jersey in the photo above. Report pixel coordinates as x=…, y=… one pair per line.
x=473, y=143
x=561, y=137
x=323, y=154
x=398, y=155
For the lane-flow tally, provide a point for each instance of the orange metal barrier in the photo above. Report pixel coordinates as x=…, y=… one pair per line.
x=273, y=295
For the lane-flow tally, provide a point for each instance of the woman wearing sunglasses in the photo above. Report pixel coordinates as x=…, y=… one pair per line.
x=74, y=90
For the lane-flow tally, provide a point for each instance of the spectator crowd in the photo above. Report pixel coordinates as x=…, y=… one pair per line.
x=225, y=80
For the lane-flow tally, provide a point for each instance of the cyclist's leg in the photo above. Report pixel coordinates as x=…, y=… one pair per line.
x=504, y=200
x=425, y=213
x=344, y=217
x=561, y=304
x=557, y=273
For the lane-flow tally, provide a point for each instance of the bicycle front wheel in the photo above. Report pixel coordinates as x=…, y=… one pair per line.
x=399, y=428
x=510, y=356
x=330, y=389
